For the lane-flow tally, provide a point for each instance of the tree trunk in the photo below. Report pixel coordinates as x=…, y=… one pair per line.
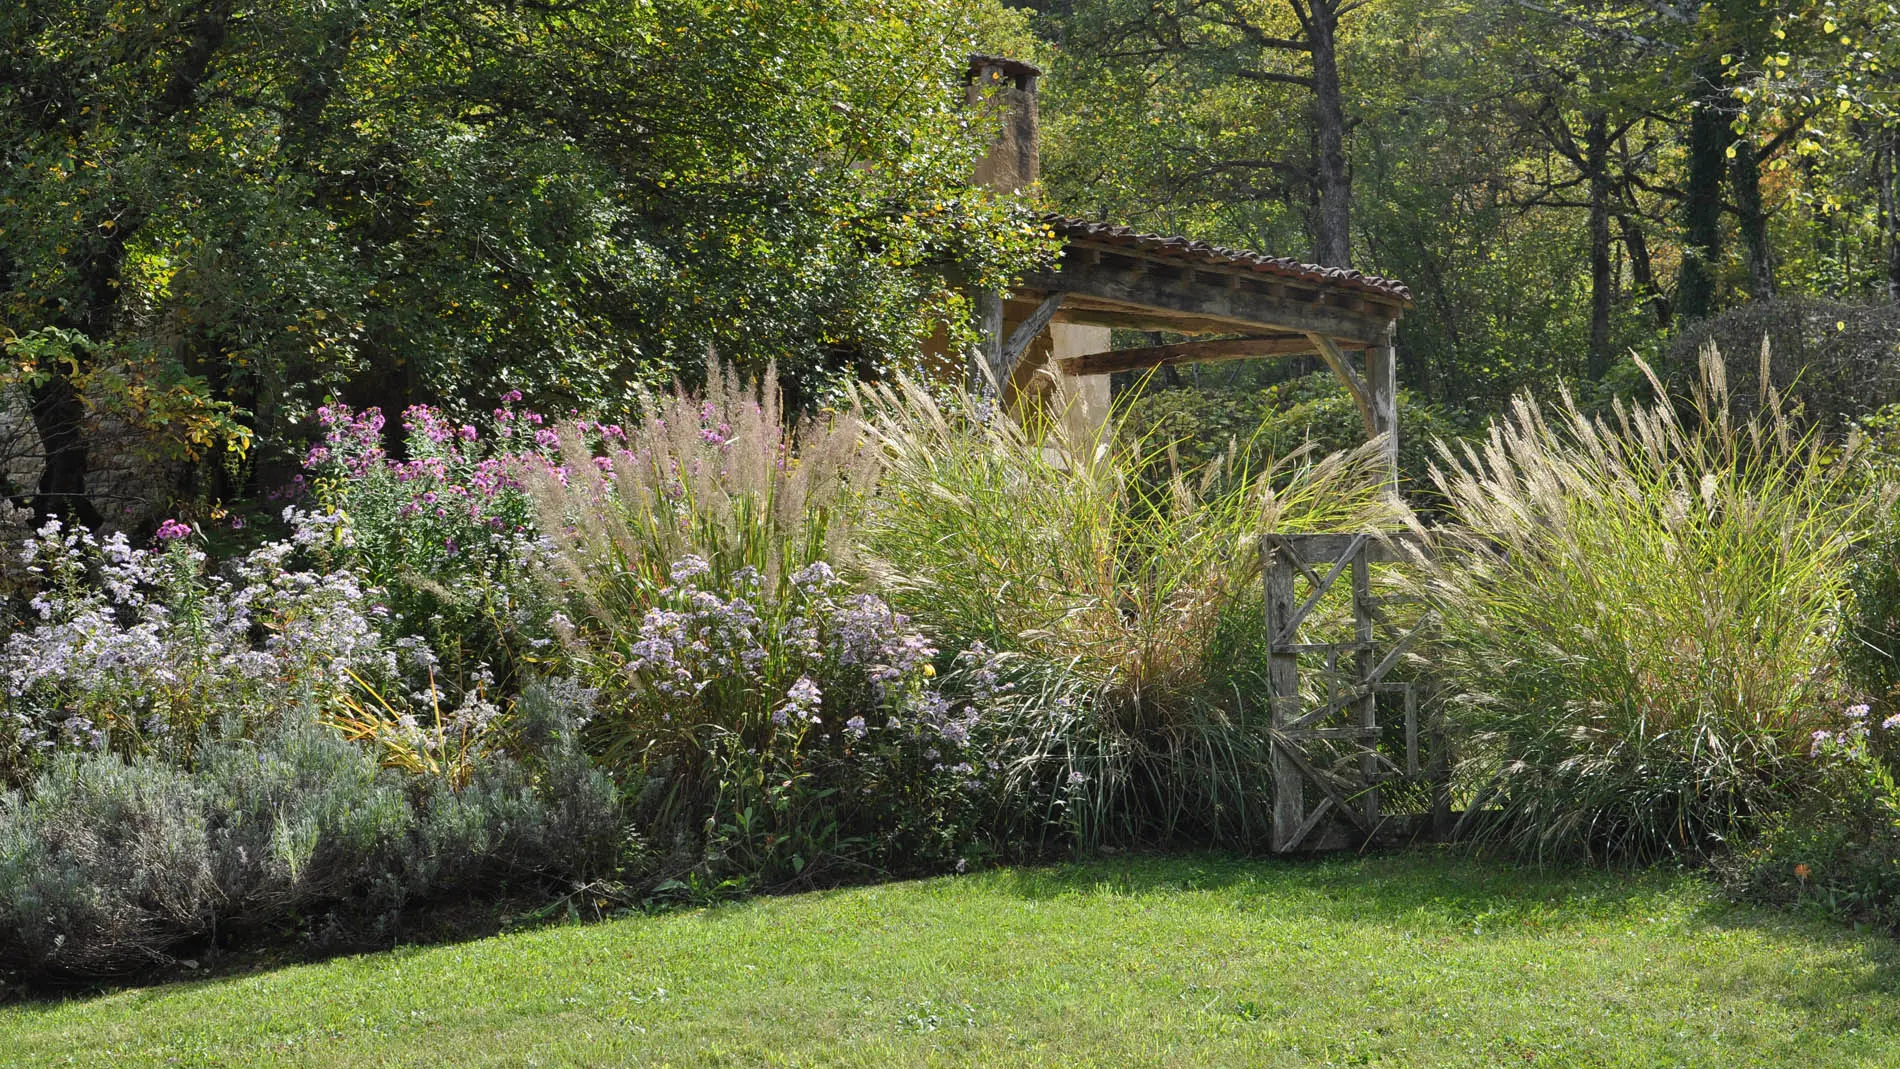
x=1745, y=179
x=1889, y=182
x=59, y=419
x=1709, y=137
x=1332, y=232
x=1642, y=270
x=1602, y=280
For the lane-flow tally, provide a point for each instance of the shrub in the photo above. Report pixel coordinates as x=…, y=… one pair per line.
x=131, y=649
x=1838, y=849
x=1640, y=616
x=1870, y=641
x=772, y=721
x=447, y=532
x=109, y=865
x=1123, y=608
x=1835, y=361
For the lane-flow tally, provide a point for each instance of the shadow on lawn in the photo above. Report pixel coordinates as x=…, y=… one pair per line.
x=1457, y=892
x=1454, y=881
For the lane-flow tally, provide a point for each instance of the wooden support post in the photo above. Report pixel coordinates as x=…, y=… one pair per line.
x=1364, y=659
x=1411, y=730
x=1283, y=681
x=1382, y=386
x=987, y=312
x=1441, y=779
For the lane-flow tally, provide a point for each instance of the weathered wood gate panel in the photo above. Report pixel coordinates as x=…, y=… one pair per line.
x=1347, y=707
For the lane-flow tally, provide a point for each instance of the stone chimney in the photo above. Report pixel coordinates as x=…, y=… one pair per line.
x=1008, y=87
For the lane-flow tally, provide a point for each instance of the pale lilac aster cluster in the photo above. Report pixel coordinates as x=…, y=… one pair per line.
x=847, y=655
x=125, y=641
x=1852, y=739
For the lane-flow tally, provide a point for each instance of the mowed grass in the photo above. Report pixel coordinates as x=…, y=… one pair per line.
x=1411, y=959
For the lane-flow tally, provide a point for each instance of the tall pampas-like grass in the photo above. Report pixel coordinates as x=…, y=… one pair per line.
x=1640, y=614
x=1124, y=608
x=724, y=474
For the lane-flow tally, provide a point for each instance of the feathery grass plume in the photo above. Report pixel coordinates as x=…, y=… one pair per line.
x=712, y=475
x=1639, y=615
x=1124, y=607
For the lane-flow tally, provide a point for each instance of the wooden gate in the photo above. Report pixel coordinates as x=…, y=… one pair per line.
x=1331, y=756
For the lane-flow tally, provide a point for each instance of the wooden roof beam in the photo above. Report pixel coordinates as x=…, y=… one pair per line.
x=1193, y=352
x=1245, y=304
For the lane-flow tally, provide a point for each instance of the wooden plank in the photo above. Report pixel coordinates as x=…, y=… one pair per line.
x=1125, y=318
x=1246, y=306
x=1339, y=733
x=1192, y=352
x=1292, y=554
x=1335, y=358
x=1382, y=548
x=1382, y=384
x=1441, y=783
x=1411, y=730
x=1325, y=709
x=1298, y=835
x=1283, y=684
x=1313, y=775
x=1024, y=334
x=1316, y=647
x=1362, y=613
x=1398, y=648
x=1319, y=591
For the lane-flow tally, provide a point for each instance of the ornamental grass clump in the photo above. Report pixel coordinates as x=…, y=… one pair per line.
x=1123, y=607
x=771, y=720
x=1640, y=616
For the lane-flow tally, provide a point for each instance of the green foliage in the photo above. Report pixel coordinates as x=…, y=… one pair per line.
x=404, y=204
x=446, y=535
x=1113, y=599
x=1837, y=850
x=1833, y=362
x=1870, y=635
x=1640, y=618
x=770, y=721
x=1202, y=424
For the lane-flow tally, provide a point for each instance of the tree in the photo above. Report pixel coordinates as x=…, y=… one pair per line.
x=400, y=201
x=1254, y=51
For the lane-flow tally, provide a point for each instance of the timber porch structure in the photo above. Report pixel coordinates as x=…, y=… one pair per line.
x=1050, y=339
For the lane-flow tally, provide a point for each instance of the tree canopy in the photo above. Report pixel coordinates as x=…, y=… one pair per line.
x=214, y=214
x=257, y=203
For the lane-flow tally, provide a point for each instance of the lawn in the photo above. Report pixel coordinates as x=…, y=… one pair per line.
x=1410, y=959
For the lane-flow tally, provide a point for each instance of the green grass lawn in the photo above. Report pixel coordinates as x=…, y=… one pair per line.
x=1412, y=959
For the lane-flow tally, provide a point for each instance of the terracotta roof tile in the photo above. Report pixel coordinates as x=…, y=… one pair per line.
x=1180, y=248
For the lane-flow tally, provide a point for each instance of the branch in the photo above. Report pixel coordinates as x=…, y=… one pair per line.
x=1276, y=76
x=1777, y=142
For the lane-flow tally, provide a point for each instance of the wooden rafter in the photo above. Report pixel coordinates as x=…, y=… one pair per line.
x=1193, y=352
x=1335, y=357
x=1025, y=333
